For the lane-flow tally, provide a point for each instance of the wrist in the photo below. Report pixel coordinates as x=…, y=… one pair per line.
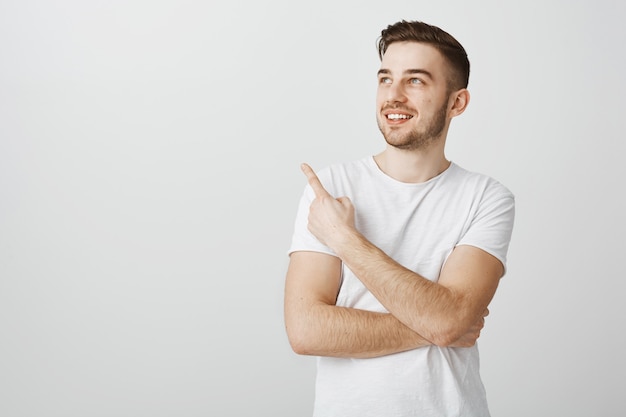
x=346, y=241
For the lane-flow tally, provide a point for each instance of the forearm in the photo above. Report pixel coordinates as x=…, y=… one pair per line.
x=328, y=330
x=442, y=312
x=426, y=307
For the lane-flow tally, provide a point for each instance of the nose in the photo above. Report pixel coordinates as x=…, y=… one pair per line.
x=395, y=93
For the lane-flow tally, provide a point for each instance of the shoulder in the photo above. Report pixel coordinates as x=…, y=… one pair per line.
x=479, y=184
x=346, y=168
x=340, y=175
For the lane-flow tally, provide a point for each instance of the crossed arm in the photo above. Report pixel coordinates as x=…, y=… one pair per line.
x=447, y=313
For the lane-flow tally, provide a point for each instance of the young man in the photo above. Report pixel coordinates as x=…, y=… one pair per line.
x=396, y=257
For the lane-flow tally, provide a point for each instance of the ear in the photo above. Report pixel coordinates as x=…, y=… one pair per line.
x=458, y=102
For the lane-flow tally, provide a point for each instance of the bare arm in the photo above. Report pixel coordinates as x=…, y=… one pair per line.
x=316, y=326
x=441, y=312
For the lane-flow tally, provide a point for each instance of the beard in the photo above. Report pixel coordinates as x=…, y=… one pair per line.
x=419, y=138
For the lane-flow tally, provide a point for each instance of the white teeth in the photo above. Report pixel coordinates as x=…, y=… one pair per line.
x=398, y=116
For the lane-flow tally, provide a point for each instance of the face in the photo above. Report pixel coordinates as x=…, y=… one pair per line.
x=412, y=97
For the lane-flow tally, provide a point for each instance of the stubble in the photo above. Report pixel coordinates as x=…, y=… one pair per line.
x=419, y=138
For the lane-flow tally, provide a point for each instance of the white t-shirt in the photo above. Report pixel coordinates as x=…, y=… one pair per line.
x=418, y=225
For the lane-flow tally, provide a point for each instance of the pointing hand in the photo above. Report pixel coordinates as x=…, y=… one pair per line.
x=331, y=219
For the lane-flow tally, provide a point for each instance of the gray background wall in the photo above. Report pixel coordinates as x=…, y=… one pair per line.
x=149, y=177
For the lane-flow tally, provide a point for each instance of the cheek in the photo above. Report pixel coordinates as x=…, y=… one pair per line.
x=423, y=100
x=429, y=104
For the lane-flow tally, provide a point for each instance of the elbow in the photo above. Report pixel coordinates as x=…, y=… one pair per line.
x=304, y=333
x=300, y=348
x=300, y=341
x=296, y=342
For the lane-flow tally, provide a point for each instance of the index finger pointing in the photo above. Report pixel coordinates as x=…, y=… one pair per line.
x=314, y=181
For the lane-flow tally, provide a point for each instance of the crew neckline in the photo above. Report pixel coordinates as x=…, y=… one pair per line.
x=380, y=173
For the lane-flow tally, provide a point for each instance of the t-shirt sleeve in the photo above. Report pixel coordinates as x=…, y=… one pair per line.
x=302, y=239
x=492, y=225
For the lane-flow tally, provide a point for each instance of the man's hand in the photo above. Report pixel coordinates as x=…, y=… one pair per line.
x=472, y=334
x=329, y=217
x=446, y=312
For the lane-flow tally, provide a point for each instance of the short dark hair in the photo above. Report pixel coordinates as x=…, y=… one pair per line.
x=446, y=44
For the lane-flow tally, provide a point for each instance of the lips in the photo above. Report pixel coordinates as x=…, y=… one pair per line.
x=398, y=116
x=395, y=117
x=396, y=113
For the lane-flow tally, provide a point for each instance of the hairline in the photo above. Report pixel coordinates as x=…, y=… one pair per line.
x=452, y=82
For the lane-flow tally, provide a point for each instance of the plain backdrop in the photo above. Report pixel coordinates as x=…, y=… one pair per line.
x=149, y=177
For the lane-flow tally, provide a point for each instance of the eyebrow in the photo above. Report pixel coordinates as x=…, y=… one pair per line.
x=408, y=72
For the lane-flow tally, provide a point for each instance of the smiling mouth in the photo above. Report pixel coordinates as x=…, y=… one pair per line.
x=397, y=116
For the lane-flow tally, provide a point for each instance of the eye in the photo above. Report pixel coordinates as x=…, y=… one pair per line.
x=415, y=81
x=384, y=80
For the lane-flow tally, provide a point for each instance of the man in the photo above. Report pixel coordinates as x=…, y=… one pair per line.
x=396, y=257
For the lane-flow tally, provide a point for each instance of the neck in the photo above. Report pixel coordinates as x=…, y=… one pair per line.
x=414, y=166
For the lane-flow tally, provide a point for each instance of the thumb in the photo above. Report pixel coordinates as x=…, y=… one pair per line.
x=345, y=201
